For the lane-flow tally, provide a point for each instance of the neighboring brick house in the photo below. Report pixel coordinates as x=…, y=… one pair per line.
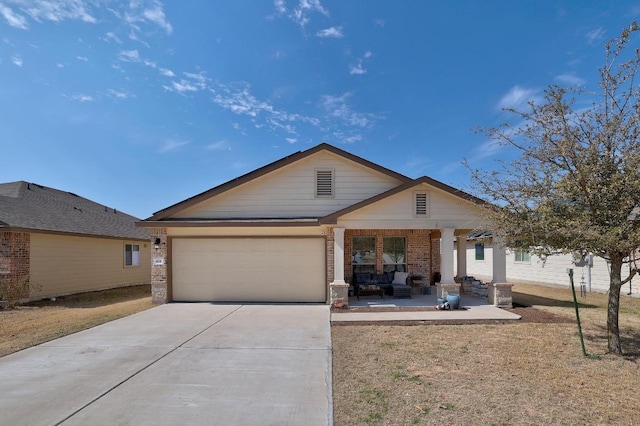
x=54, y=242
x=296, y=230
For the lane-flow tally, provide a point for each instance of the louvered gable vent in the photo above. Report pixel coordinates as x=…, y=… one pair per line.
x=421, y=204
x=324, y=183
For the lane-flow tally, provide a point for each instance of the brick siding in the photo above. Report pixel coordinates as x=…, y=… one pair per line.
x=419, y=249
x=159, y=275
x=15, y=255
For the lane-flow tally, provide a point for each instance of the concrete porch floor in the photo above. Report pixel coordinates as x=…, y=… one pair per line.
x=472, y=309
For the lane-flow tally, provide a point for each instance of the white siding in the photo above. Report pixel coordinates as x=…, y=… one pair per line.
x=444, y=211
x=290, y=191
x=553, y=271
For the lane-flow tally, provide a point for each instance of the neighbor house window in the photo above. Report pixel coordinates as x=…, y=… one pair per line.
x=325, y=183
x=522, y=255
x=479, y=251
x=364, y=254
x=394, y=254
x=131, y=255
x=421, y=204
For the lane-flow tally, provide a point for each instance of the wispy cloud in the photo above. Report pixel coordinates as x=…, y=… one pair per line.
x=379, y=22
x=517, y=98
x=218, y=146
x=193, y=82
x=300, y=13
x=338, y=107
x=134, y=14
x=112, y=37
x=82, y=58
x=57, y=11
x=12, y=18
x=570, y=79
x=358, y=67
x=156, y=15
x=291, y=140
x=167, y=72
x=81, y=97
x=129, y=55
x=333, y=32
x=595, y=36
x=173, y=144
x=119, y=94
x=17, y=61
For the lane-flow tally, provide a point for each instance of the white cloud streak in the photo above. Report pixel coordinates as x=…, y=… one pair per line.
x=133, y=13
x=300, y=13
x=17, y=61
x=12, y=18
x=570, y=79
x=333, y=32
x=172, y=145
x=518, y=97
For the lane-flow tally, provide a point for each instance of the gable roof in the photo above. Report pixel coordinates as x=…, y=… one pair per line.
x=332, y=218
x=167, y=212
x=31, y=207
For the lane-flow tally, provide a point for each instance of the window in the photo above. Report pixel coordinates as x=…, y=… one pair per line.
x=522, y=255
x=421, y=204
x=324, y=183
x=364, y=254
x=479, y=251
x=131, y=255
x=394, y=254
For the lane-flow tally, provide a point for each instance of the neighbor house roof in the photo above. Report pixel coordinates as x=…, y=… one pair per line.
x=31, y=207
x=167, y=212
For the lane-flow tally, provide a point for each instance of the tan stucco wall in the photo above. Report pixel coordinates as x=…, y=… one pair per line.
x=62, y=264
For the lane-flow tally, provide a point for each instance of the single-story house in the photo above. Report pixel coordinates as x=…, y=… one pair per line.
x=525, y=267
x=54, y=243
x=297, y=230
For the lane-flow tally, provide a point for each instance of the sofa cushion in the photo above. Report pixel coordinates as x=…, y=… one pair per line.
x=381, y=278
x=361, y=277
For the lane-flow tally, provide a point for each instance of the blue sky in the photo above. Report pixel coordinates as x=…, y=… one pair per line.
x=140, y=104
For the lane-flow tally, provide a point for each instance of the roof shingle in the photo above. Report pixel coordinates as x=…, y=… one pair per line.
x=28, y=206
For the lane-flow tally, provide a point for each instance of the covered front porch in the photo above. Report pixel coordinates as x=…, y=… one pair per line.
x=426, y=257
x=419, y=308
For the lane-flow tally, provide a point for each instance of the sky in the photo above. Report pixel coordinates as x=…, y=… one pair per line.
x=141, y=104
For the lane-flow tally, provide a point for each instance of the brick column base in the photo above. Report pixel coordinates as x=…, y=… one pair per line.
x=499, y=294
x=449, y=288
x=339, y=295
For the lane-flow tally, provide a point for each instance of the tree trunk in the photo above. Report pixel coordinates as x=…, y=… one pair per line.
x=613, y=308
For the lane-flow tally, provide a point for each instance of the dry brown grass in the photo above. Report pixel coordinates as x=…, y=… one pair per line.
x=521, y=373
x=39, y=322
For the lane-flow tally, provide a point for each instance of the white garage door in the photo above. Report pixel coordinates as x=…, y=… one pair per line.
x=248, y=269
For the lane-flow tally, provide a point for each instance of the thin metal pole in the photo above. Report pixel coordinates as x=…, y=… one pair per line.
x=575, y=304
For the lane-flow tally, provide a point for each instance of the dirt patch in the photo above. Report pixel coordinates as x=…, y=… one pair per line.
x=525, y=372
x=38, y=322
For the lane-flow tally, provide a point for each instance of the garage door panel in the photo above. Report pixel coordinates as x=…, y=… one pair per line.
x=249, y=269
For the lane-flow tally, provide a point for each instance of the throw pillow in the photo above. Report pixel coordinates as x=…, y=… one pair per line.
x=400, y=277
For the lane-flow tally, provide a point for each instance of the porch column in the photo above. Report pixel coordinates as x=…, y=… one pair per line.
x=499, y=261
x=462, y=256
x=447, y=283
x=499, y=290
x=338, y=256
x=339, y=288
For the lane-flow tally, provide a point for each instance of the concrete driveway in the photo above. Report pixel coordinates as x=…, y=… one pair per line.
x=179, y=364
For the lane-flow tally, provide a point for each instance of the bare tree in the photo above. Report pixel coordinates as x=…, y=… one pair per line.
x=575, y=184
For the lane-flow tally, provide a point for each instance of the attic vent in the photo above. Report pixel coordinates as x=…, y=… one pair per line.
x=421, y=204
x=324, y=184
